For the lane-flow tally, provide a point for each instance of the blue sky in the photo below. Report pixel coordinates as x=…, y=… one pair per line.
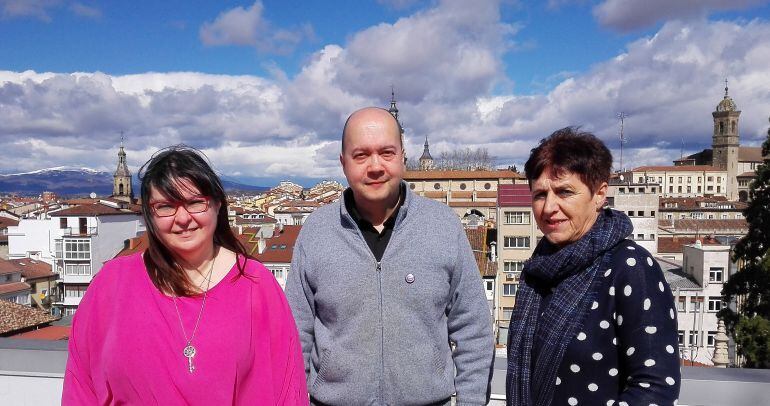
x=263, y=87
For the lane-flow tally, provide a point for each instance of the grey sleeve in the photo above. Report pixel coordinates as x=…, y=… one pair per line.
x=300, y=298
x=470, y=328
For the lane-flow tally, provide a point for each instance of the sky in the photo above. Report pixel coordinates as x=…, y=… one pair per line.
x=263, y=87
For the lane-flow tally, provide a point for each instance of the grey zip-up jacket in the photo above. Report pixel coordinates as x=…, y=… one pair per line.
x=379, y=333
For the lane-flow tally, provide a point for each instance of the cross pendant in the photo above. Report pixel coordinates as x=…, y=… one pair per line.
x=189, y=352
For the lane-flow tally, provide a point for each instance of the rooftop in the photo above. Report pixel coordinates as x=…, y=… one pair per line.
x=468, y=175
x=16, y=318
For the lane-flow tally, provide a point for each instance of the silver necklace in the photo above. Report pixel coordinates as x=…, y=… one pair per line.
x=189, y=350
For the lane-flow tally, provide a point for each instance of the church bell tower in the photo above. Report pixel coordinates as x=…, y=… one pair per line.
x=725, y=142
x=121, y=184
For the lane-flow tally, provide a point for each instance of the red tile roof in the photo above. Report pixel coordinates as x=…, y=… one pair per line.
x=5, y=222
x=14, y=287
x=429, y=175
x=514, y=195
x=33, y=269
x=673, y=245
x=95, y=209
x=477, y=237
x=707, y=226
x=750, y=154
x=15, y=317
x=278, y=249
x=136, y=244
x=51, y=333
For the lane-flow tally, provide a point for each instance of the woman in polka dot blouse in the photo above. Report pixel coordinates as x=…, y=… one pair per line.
x=594, y=321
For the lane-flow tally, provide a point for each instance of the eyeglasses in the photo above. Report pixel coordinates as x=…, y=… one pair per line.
x=195, y=205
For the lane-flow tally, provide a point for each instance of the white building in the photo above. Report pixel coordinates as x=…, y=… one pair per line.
x=640, y=202
x=697, y=289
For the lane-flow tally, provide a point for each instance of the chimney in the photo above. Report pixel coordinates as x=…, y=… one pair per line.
x=261, y=245
x=493, y=251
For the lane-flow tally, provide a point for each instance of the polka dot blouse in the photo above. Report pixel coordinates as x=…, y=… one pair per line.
x=626, y=351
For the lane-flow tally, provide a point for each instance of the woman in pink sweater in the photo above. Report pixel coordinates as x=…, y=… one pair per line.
x=192, y=320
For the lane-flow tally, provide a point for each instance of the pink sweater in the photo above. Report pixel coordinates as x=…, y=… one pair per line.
x=126, y=343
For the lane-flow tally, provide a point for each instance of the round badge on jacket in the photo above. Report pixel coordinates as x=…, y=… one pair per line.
x=409, y=278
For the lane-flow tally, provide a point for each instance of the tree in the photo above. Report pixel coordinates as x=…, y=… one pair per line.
x=749, y=322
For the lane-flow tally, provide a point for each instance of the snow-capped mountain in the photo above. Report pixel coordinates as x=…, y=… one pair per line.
x=73, y=181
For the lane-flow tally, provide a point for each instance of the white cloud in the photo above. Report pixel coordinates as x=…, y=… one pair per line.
x=626, y=15
x=444, y=62
x=86, y=11
x=28, y=8
x=248, y=27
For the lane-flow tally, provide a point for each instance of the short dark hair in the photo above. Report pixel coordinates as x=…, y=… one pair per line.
x=398, y=124
x=571, y=150
x=163, y=172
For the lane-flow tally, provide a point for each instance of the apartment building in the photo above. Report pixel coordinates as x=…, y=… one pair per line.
x=517, y=236
x=639, y=200
x=466, y=192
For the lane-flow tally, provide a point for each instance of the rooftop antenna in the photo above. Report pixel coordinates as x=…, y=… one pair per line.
x=622, y=116
x=681, y=150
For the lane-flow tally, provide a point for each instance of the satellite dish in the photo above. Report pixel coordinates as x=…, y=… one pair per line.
x=92, y=195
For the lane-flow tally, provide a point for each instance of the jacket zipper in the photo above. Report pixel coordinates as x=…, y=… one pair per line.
x=382, y=335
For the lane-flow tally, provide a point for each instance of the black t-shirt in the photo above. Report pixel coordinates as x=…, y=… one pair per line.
x=377, y=241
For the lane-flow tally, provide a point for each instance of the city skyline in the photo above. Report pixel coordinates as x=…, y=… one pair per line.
x=264, y=87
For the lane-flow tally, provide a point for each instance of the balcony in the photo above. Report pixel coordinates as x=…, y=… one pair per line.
x=80, y=231
x=32, y=372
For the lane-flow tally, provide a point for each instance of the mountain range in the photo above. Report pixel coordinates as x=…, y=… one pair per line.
x=70, y=181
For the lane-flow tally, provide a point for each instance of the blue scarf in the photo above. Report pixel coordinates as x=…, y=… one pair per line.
x=571, y=270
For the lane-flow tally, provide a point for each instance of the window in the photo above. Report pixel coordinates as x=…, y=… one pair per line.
x=695, y=304
x=631, y=190
x=437, y=186
x=277, y=273
x=513, y=266
x=719, y=189
x=74, y=291
x=63, y=222
x=724, y=216
x=77, y=249
x=642, y=190
x=689, y=189
x=630, y=213
x=462, y=186
x=77, y=269
x=689, y=179
x=679, y=189
x=517, y=217
x=670, y=179
x=515, y=242
x=640, y=236
x=652, y=213
x=507, y=312
x=622, y=190
x=709, y=188
x=490, y=285
x=680, y=335
x=699, y=189
x=670, y=189
x=641, y=179
x=693, y=340
x=711, y=337
x=509, y=289
x=679, y=179
x=698, y=179
x=640, y=213
x=680, y=305
x=715, y=303
x=654, y=190
x=652, y=237
x=669, y=216
x=710, y=179
x=487, y=186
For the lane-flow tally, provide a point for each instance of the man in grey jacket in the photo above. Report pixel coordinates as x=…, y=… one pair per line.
x=383, y=282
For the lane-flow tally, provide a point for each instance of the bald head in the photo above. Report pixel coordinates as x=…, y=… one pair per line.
x=370, y=118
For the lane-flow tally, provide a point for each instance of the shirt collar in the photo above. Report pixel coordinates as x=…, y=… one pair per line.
x=350, y=206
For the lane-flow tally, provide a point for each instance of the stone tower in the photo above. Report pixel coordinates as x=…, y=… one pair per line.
x=394, y=112
x=725, y=142
x=121, y=184
x=426, y=161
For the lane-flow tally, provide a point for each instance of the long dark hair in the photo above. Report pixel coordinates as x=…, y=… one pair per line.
x=163, y=172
